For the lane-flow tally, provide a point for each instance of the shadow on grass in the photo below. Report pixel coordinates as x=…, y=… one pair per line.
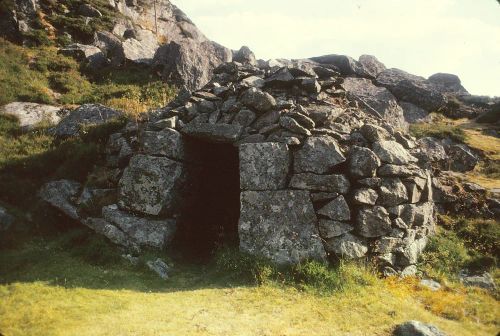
x=81, y=259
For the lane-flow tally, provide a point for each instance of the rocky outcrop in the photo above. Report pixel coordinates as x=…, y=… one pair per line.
x=62, y=195
x=413, y=89
x=32, y=114
x=85, y=115
x=375, y=100
x=190, y=63
x=448, y=84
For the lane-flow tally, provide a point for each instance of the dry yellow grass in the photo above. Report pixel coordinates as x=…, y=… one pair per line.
x=41, y=309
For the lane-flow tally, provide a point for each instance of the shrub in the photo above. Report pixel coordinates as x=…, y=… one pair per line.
x=491, y=116
x=243, y=267
x=318, y=276
x=445, y=255
x=480, y=235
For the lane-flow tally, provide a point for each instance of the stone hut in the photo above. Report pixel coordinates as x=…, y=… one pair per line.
x=281, y=158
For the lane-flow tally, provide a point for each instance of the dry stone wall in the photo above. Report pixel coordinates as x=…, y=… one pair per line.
x=321, y=175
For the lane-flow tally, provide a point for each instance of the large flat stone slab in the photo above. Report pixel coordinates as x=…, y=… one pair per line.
x=223, y=133
x=144, y=231
x=151, y=185
x=279, y=225
x=263, y=166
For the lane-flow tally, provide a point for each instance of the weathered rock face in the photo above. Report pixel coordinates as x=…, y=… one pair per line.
x=31, y=114
x=264, y=166
x=149, y=185
x=85, y=115
x=190, y=63
x=376, y=100
x=413, y=89
x=279, y=225
x=448, y=83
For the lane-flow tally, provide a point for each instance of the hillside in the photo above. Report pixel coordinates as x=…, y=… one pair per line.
x=155, y=182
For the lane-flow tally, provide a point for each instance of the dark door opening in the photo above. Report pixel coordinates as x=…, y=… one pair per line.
x=210, y=219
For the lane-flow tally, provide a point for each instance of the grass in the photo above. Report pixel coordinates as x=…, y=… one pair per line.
x=49, y=289
x=487, y=172
x=42, y=75
x=28, y=159
x=438, y=130
x=462, y=243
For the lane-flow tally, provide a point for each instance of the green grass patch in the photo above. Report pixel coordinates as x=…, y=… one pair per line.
x=60, y=286
x=42, y=75
x=462, y=243
x=28, y=159
x=438, y=130
x=310, y=276
x=63, y=15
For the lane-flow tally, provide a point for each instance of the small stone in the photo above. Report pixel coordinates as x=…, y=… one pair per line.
x=330, y=228
x=263, y=166
x=392, y=152
x=319, y=155
x=365, y=196
x=168, y=142
x=222, y=133
x=338, y=210
x=371, y=182
x=374, y=133
x=244, y=118
x=159, y=267
x=416, y=328
x=347, y=246
x=398, y=170
x=323, y=196
x=253, y=81
x=303, y=120
x=392, y=192
x=154, y=233
x=258, y=100
x=293, y=126
x=485, y=281
x=60, y=195
x=430, y=284
x=363, y=162
x=310, y=85
x=327, y=183
x=409, y=271
x=373, y=221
